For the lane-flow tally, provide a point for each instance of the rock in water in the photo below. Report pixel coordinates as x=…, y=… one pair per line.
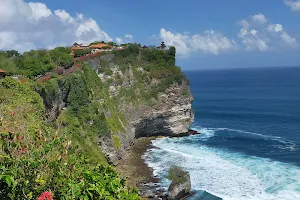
x=181, y=183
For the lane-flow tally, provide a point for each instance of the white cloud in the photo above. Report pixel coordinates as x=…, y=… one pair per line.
x=211, y=42
x=64, y=16
x=244, y=23
x=275, y=28
x=126, y=39
x=252, y=41
x=24, y=26
x=288, y=39
x=119, y=40
x=180, y=41
x=128, y=36
x=208, y=42
x=264, y=35
x=253, y=32
x=39, y=10
x=293, y=4
x=259, y=18
x=79, y=15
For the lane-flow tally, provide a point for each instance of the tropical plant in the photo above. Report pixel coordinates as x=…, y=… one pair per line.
x=37, y=160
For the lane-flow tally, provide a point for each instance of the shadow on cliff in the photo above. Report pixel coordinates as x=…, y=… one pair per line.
x=156, y=126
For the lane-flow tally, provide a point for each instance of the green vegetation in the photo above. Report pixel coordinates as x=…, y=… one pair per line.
x=36, y=157
x=61, y=57
x=157, y=66
x=84, y=52
x=98, y=42
x=86, y=118
x=49, y=89
x=7, y=64
x=112, y=44
x=106, y=71
x=35, y=63
x=117, y=142
x=64, y=156
x=177, y=175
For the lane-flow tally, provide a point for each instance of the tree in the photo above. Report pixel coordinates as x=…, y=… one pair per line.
x=13, y=53
x=61, y=57
x=170, y=56
x=79, y=53
x=78, y=95
x=98, y=42
x=112, y=44
x=7, y=64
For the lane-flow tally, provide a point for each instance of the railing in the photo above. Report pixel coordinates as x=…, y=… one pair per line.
x=44, y=78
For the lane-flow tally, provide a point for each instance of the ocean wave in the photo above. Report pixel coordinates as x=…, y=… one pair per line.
x=207, y=133
x=231, y=176
x=199, y=129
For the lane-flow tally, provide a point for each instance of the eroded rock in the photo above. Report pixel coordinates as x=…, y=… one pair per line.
x=181, y=184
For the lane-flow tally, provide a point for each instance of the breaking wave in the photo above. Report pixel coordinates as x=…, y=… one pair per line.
x=224, y=173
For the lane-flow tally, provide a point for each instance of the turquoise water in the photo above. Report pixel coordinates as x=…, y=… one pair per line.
x=250, y=143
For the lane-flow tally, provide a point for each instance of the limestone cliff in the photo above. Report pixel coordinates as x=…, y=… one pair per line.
x=138, y=93
x=170, y=114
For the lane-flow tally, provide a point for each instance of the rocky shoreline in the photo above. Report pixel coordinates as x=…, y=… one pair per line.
x=138, y=174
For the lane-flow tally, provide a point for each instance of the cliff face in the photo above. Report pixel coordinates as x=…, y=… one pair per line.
x=140, y=97
x=170, y=114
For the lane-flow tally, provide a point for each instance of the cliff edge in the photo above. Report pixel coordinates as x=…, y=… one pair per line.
x=119, y=96
x=57, y=110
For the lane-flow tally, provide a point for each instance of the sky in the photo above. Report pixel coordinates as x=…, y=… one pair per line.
x=207, y=34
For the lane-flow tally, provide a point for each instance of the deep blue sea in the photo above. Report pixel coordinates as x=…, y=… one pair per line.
x=249, y=147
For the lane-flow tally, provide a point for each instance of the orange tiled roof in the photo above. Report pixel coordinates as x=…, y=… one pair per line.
x=98, y=46
x=77, y=48
x=2, y=71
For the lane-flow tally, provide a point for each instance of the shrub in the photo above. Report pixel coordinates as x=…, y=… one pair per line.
x=79, y=53
x=7, y=64
x=36, y=159
x=78, y=94
x=108, y=72
x=117, y=141
x=61, y=57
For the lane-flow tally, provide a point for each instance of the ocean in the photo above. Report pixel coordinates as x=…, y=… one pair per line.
x=249, y=147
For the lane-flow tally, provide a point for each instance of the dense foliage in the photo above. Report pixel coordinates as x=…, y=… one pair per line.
x=79, y=53
x=36, y=157
x=34, y=63
x=63, y=157
x=98, y=42
x=158, y=66
x=61, y=57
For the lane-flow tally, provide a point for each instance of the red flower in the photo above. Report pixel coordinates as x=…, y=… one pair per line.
x=12, y=113
x=20, y=138
x=23, y=149
x=46, y=196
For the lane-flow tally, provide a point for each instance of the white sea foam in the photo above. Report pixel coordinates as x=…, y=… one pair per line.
x=231, y=176
x=207, y=133
x=204, y=130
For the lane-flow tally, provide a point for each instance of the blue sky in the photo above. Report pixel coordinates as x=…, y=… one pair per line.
x=207, y=33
